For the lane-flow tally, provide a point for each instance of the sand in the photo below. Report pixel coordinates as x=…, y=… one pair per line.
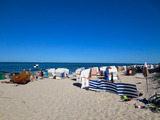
x=51, y=99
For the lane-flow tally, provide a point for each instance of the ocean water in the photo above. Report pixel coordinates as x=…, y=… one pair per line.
x=16, y=66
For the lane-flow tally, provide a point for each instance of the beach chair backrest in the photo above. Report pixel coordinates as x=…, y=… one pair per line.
x=58, y=74
x=93, y=72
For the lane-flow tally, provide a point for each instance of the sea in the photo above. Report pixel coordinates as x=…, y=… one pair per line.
x=9, y=67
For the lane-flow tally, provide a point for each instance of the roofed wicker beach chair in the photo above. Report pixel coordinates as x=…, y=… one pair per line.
x=93, y=74
x=58, y=75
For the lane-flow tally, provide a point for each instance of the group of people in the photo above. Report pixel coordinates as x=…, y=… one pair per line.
x=36, y=76
x=42, y=73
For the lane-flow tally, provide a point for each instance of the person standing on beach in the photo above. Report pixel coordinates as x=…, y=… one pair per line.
x=42, y=74
x=106, y=74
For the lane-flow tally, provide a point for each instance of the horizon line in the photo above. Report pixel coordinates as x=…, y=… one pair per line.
x=84, y=62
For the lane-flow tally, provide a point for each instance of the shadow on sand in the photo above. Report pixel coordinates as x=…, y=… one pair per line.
x=74, y=79
x=16, y=84
x=77, y=85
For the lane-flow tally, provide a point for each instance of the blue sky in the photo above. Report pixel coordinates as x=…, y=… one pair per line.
x=108, y=31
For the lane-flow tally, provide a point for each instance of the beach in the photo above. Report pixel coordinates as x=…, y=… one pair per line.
x=95, y=59
x=51, y=99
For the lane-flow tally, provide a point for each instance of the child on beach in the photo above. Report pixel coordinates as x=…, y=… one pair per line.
x=37, y=74
x=67, y=75
x=32, y=78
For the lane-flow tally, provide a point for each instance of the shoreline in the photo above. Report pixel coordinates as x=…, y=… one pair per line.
x=16, y=67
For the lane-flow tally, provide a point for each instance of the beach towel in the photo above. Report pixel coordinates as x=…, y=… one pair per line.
x=117, y=88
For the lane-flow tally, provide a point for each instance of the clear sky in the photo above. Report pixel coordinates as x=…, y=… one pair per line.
x=108, y=31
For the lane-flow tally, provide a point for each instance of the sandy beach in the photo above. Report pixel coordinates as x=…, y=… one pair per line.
x=98, y=47
x=51, y=99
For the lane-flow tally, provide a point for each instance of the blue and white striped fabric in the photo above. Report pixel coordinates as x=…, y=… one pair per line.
x=117, y=88
x=103, y=86
x=127, y=89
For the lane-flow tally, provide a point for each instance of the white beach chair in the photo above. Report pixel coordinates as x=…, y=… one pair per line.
x=52, y=72
x=58, y=75
x=114, y=71
x=85, y=78
x=78, y=73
